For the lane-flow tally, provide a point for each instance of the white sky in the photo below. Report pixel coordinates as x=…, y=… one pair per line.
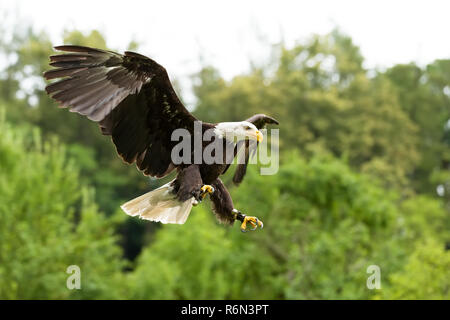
x=228, y=34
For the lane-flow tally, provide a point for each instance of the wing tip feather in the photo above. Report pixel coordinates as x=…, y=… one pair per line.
x=77, y=48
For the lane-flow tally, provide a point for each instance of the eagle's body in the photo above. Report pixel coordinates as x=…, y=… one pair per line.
x=131, y=98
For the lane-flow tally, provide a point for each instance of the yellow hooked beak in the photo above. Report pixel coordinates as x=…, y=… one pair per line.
x=259, y=136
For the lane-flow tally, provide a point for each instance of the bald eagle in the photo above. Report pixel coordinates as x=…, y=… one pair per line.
x=132, y=99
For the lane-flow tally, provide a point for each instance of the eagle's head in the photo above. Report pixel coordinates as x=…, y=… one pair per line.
x=238, y=131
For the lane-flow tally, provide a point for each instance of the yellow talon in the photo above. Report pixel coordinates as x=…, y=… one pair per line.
x=254, y=221
x=206, y=189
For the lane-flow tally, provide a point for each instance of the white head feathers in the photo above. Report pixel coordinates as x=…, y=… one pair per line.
x=238, y=131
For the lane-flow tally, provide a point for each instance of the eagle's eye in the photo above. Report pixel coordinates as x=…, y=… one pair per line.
x=247, y=128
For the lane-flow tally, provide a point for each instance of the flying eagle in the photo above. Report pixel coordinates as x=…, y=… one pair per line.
x=132, y=99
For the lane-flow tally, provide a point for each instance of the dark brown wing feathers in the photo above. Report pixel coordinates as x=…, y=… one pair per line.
x=129, y=95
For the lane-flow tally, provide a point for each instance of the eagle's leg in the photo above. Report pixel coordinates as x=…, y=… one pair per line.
x=189, y=184
x=253, y=221
x=224, y=209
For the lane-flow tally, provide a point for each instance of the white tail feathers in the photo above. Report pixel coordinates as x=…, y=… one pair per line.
x=159, y=205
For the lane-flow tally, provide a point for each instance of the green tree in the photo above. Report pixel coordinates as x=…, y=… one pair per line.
x=424, y=94
x=27, y=103
x=21, y=90
x=425, y=275
x=324, y=225
x=48, y=221
x=326, y=103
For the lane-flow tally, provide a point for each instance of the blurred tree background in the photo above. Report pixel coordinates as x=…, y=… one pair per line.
x=364, y=180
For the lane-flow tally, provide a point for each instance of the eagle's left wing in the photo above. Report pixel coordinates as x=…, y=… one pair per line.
x=131, y=98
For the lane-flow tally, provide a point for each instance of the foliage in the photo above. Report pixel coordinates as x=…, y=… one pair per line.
x=223, y=266
x=324, y=226
x=49, y=222
x=95, y=155
x=390, y=125
x=425, y=275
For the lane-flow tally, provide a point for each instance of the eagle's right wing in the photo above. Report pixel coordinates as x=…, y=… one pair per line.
x=131, y=98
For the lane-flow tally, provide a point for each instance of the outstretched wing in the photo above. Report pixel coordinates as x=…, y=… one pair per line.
x=131, y=98
x=260, y=121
